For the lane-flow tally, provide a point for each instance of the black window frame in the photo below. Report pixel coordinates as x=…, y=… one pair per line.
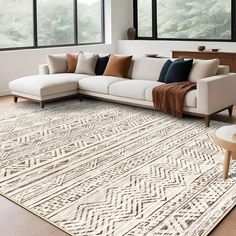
x=155, y=29
x=75, y=16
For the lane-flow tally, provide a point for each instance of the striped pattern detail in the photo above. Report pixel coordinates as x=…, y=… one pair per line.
x=96, y=168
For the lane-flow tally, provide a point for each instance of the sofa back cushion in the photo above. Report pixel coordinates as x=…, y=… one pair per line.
x=86, y=63
x=57, y=63
x=118, y=66
x=203, y=69
x=146, y=68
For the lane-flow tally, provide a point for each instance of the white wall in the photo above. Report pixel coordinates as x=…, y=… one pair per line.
x=122, y=19
x=163, y=48
x=18, y=63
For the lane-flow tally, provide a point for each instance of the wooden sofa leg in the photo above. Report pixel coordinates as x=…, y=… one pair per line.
x=207, y=121
x=80, y=97
x=15, y=99
x=41, y=105
x=230, y=109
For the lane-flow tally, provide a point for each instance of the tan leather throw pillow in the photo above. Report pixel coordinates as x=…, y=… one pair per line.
x=71, y=62
x=118, y=66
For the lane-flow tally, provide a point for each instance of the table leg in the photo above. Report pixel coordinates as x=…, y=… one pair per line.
x=226, y=163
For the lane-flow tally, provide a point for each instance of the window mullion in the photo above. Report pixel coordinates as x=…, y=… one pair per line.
x=35, y=22
x=76, y=22
x=154, y=19
x=233, y=18
x=135, y=16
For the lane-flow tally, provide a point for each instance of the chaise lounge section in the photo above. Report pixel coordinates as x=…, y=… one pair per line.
x=213, y=94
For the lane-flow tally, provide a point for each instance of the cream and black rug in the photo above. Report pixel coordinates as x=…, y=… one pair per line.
x=96, y=168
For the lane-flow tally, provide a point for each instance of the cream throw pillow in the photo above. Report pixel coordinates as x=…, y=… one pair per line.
x=86, y=63
x=57, y=63
x=202, y=69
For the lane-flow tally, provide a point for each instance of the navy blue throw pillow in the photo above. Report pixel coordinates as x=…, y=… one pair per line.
x=101, y=64
x=179, y=71
x=165, y=69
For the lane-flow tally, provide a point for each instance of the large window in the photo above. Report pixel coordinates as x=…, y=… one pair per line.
x=16, y=23
x=43, y=23
x=90, y=21
x=55, y=22
x=186, y=20
x=145, y=18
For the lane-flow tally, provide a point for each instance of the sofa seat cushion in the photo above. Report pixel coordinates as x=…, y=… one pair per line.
x=98, y=84
x=74, y=77
x=134, y=89
x=190, y=98
x=45, y=85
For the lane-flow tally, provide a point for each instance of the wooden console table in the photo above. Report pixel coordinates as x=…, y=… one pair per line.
x=226, y=58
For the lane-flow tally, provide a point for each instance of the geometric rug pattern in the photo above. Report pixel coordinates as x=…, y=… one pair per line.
x=98, y=168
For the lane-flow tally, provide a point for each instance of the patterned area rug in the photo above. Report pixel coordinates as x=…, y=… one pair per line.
x=96, y=168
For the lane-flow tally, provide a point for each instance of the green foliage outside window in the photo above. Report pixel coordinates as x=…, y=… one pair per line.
x=16, y=23
x=184, y=19
x=55, y=22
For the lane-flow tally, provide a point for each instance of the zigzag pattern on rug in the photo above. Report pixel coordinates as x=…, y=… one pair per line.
x=97, y=168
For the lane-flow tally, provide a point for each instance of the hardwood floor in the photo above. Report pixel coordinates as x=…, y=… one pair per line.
x=8, y=102
x=15, y=221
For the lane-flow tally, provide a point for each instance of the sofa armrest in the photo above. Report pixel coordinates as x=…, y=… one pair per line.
x=216, y=93
x=43, y=69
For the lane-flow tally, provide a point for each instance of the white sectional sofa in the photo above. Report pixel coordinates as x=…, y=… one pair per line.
x=213, y=94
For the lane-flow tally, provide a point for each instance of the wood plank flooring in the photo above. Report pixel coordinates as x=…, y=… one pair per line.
x=16, y=221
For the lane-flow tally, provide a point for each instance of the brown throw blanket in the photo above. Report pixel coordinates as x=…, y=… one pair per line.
x=169, y=98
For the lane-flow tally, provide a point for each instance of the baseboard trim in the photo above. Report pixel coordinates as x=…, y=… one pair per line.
x=5, y=93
